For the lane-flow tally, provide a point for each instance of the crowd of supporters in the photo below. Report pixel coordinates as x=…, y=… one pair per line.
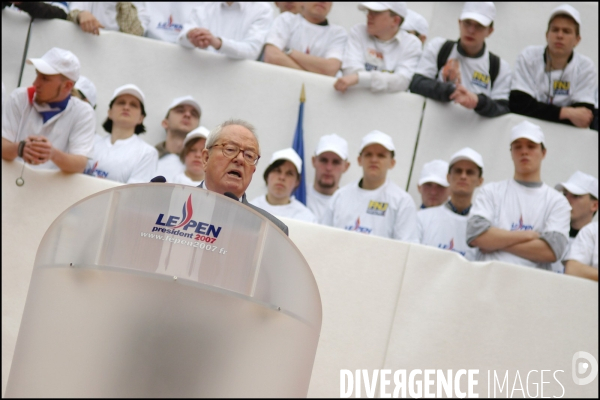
x=51, y=125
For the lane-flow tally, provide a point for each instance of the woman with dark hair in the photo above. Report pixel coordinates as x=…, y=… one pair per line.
x=191, y=157
x=122, y=156
x=282, y=177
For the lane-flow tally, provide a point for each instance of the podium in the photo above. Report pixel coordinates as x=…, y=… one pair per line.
x=165, y=290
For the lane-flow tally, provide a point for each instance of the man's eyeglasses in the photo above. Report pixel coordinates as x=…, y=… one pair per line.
x=232, y=151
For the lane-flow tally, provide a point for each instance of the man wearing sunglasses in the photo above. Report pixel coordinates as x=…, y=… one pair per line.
x=230, y=157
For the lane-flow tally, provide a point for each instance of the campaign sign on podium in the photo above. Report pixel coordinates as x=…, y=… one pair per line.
x=164, y=290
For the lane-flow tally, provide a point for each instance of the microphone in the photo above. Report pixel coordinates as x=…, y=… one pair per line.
x=231, y=196
x=158, y=178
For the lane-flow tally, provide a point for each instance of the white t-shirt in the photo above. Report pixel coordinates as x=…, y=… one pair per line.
x=511, y=206
x=128, y=160
x=575, y=84
x=168, y=166
x=585, y=246
x=70, y=131
x=292, y=31
x=242, y=27
x=440, y=227
x=294, y=209
x=184, y=180
x=106, y=12
x=387, y=211
x=474, y=71
x=167, y=19
x=316, y=202
x=381, y=66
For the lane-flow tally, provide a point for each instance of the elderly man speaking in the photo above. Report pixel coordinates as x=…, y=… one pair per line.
x=230, y=159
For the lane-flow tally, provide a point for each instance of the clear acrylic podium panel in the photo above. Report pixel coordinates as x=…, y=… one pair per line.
x=164, y=290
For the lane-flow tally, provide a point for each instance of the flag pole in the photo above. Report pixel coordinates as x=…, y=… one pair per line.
x=298, y=146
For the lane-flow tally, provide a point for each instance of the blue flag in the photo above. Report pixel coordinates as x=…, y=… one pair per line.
x=298, y=146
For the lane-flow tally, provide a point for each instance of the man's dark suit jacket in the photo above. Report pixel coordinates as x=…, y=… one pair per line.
x=266, y=214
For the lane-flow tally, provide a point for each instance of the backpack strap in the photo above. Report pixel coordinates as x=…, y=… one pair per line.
x=494, y=68
x=443, y=55
x=30, y=93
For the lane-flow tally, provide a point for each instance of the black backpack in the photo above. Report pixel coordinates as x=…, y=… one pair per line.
x=445, y=52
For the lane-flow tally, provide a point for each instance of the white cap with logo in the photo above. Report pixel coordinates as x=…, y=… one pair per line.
x=131, y=89
x=288, y=154
x=482, y=12
x=377, y=137
x=529, y=131
x=199, y=132
x=333, y=143
x=57, y=61
x=568, y=10
x=87, y=87
x=185, y=100
x=579, y=184
x=415, y=22
x=435, y=171
x=399, y=7
x=467, y=154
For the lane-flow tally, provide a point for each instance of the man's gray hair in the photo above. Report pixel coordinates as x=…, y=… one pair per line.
x=216, y=132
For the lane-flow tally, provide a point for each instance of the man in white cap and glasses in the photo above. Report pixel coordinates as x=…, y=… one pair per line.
x=553, y=82
x=522, y=220
x=282, y=177
x=330, y=162
x=374, y=205
x=416, y=24
x=466, y=72
x=445, y=226
x=43, y=124
x=581, y=191
x=379, y=55
x=182, y=117
x=433, y=184
x=307, y=41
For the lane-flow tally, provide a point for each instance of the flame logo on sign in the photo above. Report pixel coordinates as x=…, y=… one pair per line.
x=187, y=213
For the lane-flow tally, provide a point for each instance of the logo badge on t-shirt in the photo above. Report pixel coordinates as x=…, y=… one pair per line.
x=377, y=208
x=169, y=25
x=450, y=247
x=561, y=88
x=357, y=228
x=373, y=60
x=480, y=79
x=94, y=171
x=520, y=226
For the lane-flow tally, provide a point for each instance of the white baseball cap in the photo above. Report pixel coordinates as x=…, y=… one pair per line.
x=87, y=87
x=58, y=61
x=377, y=137
x=415, y=22
x=467, y=154
x=333, y=143
x=435, y=171
x=399, y=7
x=290, y=155
x=482, y=12
x=185, y=100
x=568, y=10
x=131, y=89
x=199, y=132
x=580, y=183
x=529, y=131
